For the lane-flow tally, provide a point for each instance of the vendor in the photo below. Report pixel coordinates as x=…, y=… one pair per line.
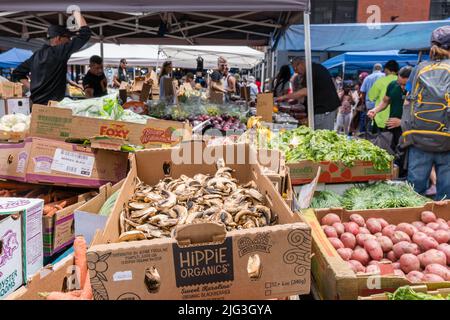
x=122, y=74
x=189, y=83
x=166, y=73
x=216, y=78
x=326, y=99
x=94, y=82
x=48, y=66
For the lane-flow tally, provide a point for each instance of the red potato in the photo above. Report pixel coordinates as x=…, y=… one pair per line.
x=349, y=240
x=396, y=265
x=351, y=227
x=445, y=248
x=378, y=234
x=407, y=228
x=399, y=236
x=373, y=225
x=330, y=232
x=374, y=262
x=373, y=269
x=429, y=277
x=432, y=256
x=339, y=227
x=415, y=276
x=383, y=223
x=356, y=266
x=427, y=217
x=337, y=244
x=433, y=225
x=418, y=224
x=409, y=262
x=364, y=230
x=399, y=273
x=441, y=236
x=418, y=237
x=428, y=231
x=330, y=218
x=443, y=226
x=361, y=255
x=358, y=219
x=389, y=230
x=403, y=247
x=361, y=238
x=391, y=256
x=385, y=243
x=345, y=253
x=374, y=250
x=439, y=270
x=428, y=243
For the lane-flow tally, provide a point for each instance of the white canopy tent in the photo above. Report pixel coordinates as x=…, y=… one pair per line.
x=136, y=55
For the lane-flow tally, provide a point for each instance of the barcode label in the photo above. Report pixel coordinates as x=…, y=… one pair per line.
x=72, y=162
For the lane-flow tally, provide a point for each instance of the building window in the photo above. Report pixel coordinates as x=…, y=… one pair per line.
x=333, y=11
x=440, y=9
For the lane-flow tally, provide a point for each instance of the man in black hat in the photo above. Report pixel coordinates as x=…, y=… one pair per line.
x=48, y=66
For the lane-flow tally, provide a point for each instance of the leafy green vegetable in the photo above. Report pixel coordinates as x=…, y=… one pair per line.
x=325, y=145
x=407, y=293
x=326, y=199
x=380, y=195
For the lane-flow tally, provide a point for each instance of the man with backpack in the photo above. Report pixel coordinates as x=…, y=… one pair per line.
x=426, y=126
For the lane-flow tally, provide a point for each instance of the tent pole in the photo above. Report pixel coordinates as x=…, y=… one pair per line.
x=308, y=61
x=263, y=68
x=343, y=71
x=101, y=42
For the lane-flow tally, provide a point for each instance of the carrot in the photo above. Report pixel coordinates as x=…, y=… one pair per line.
x=80, y=250
x=86, y=293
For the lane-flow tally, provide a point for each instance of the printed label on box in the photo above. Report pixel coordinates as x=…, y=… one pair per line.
x=42, y=164
x=72, y=162
x=21, y=164
x=203, y=264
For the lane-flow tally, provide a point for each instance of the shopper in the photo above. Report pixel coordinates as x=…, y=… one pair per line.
x=48, y=66
x=281, y=84
x=426, y=127
x=253, y=87
x=378, y=92
x=122, y=74
x=94, y=82
x=345, y=113
x=366, y=85
x=216, y=79
x=166, y=73
x=258, y=84
x=394, y=101
x=229, y=81
x=326, y=100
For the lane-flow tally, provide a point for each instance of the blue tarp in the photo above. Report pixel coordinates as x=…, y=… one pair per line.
x=365, y=60
x=361, y=37
x=12, y=58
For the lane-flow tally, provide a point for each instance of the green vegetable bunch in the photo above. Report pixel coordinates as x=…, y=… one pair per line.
x=380, y=195
x=326, y=145
x=407, y=293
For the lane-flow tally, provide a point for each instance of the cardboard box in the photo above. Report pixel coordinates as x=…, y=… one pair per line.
x=18, y=90
x=304, y=172
x=11, y=274
x=50, y=278
x=87, y=217
x=60, y=124
x=334, y=279
x=59, y=232
x=7, y=89
x=47, y=161
x=284, y=249
x=142, y=86
x=18, y=105
x=30, y=211
x=417, y=288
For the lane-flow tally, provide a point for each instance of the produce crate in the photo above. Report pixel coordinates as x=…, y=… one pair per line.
x=334, y=279
x=284, y=249
x=304, y=171
x=60, y=124
x=382, y=296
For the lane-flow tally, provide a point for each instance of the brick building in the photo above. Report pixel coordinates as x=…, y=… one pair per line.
x=348, y=11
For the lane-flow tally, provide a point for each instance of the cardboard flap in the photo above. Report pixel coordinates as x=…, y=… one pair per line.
x=306, y=193
x=200, y=233
x=264, y=106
